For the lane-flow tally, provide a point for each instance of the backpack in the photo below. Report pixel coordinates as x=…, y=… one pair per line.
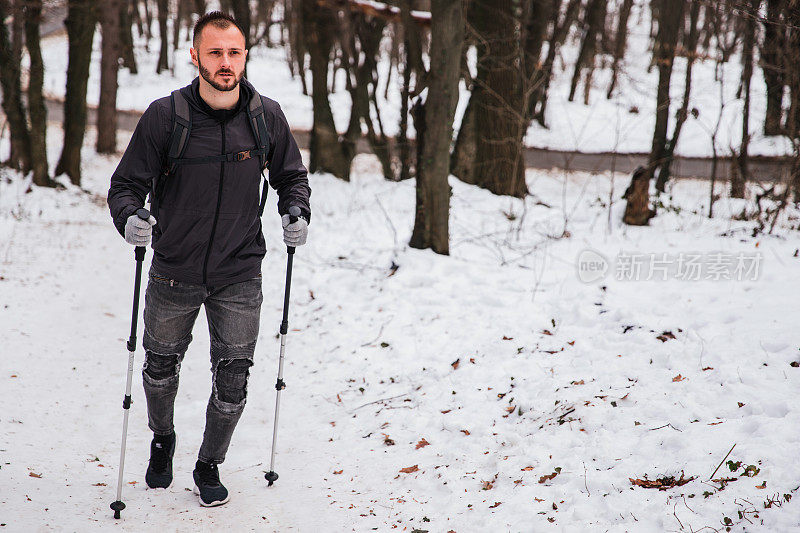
x=182, y=128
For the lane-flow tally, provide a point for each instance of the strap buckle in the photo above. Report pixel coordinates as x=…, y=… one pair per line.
x=243, y=155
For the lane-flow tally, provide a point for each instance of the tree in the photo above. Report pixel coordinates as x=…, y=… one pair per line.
x=739, y=177
x=126, y=8
x=163, y=56
x=497, y=102
x=435, y=129
x=109, y=67
x=594, y=22
x=20, y=154
x=773, y=63
x=690, y=50
x=241, y=12
x=620, y=43
x=80, y=24
x=37, y=111
x=637, y=209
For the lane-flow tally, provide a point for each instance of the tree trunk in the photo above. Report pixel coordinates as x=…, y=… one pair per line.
x=773, y=64
x=109, y=67
x=328, y=153
x=540, y=12
x=690, y=42
x=594, y=22
x=13, y=108
x=163, y=56
x=241, y=12
x=637, y=210
x=497, y=97
x=739, y=179
x=560, y=33
x=126, y=35
x=37, y=111
x=620, y=43
x=433, y=191
x=80, y=32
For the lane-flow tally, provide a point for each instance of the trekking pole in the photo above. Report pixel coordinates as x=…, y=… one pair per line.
x=139, y=251
x=271, y=476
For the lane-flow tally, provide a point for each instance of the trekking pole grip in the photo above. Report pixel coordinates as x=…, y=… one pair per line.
x=139, y=251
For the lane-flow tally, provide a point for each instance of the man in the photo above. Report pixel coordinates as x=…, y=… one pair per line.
x=207, y=239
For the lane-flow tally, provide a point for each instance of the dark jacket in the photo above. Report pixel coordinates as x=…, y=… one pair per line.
x=208, y=228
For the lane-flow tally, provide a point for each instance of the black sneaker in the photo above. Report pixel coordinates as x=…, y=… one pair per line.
x=207, y=486
x=159, y=471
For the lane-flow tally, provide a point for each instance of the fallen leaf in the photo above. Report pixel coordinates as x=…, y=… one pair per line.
x=708, y=368
x=517, y=481
x=511, y=408
x=508, y=338
x=546, y=332
x=445, y=411
x=337, y=472
x=678, y=378
x=421, y=444
x=496, y=504
x=763, y=485
x=571, y=343
x=540, y=500
x=338, y=397
x=99, y=484
x=662, y=483
x=581, y=382
x=34, y=474
x=387, y=440
x=465, y=431
x=409, y=469
x=455, y=363
x=665, y=336
x=548, y=477
x=527, y=468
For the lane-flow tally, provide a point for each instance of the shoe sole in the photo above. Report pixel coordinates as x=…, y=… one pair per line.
x=212, y=504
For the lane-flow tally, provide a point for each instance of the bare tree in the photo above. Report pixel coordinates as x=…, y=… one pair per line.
x=37, y=111
x=620, y=43
x=739, y=177
x=80, y=32
x=435, y=129
x=690, y=51
x=20, y=153
x=594, y=22
x=637, y=209
x=109, y=68
x=126, y=8
x=773, y=63
x=163, y=14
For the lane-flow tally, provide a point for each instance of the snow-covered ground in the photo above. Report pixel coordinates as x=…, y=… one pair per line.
x=623, y=124
x=491, y=390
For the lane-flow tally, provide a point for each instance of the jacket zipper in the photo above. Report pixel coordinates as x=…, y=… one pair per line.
x=216, y=213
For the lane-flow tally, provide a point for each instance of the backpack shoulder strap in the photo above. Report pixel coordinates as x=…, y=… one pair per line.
x=258, y=122
x=181, y=128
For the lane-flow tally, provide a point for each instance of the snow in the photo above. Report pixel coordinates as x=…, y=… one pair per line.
x=623, y=124
x=371, y=356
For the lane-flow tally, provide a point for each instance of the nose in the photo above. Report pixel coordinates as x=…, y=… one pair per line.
x=226, y=60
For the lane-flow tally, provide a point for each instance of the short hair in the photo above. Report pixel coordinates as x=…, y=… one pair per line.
x=218, y=19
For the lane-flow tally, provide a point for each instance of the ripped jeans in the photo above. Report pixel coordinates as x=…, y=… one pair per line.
x=170, y=310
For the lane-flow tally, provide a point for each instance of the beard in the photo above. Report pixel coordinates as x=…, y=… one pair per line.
x=206, y=74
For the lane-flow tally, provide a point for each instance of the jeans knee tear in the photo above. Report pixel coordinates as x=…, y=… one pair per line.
x=230, y=381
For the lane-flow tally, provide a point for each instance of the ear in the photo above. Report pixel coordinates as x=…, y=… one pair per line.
x=193, y=54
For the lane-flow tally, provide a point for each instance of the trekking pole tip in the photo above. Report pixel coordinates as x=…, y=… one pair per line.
x=271, y=477
x=117, y=506
x=143, y=213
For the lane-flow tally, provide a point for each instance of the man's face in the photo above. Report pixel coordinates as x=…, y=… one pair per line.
x=220, y=56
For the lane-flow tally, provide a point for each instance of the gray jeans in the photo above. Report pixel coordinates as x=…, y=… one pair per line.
x=170, y=310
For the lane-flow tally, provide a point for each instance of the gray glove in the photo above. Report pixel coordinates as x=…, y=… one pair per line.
x=294, y=234
x=138, y=231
